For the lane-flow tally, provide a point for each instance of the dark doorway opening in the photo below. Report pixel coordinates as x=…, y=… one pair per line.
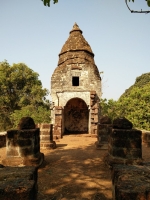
x=76, y=117
x=75, y=81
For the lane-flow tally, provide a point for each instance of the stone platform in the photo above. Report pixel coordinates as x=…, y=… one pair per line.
x=131, y=182
x=18, y=183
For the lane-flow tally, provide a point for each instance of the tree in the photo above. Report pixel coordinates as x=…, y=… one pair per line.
x=134, y=103
x=109, y=108
x=148, y=2
x=21, y=94
x=136, y=106
x=138, y=11
x=47, y=3
x=140, y=82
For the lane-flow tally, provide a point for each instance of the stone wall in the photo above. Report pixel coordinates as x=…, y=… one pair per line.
x=61, y=82
x=130, y=175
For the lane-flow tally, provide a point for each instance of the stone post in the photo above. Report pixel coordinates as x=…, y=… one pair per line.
x=146, y=137
x=46, y=136
x=58, y=123
x=3, y=139
x=94, y=114
x=104, y=130
x=23, y=145
x=125, y=144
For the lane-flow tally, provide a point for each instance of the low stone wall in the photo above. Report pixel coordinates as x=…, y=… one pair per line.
x=3, y=139
x=18, y=183
x=131, y=182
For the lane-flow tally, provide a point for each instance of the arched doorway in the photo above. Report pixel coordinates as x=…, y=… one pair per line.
x=76, y=116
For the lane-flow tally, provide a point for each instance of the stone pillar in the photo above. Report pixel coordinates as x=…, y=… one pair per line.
x=94, y=114
x=46, y=136
x=58, y=123
x=104, y=130
x=23, y=145
x=3, y=139
x=146, y=137
x=124, y=143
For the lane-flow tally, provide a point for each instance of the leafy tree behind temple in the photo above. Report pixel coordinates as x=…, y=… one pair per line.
x=134, y=103
x=109, y=108
x=140, y=82
x=21, y=93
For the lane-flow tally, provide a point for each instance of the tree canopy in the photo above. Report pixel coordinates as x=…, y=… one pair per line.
x=134, y=103
x=21, y=94
x=140, y=82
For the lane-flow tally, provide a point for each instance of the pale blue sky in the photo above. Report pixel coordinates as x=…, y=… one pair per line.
x=34, y=34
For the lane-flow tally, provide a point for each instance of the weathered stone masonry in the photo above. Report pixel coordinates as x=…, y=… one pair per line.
x=75, y=88
x=23, y=145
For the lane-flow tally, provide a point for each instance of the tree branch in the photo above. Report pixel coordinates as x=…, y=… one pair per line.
x=134, y=11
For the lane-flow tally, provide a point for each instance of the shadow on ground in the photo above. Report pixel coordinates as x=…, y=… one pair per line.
x=74, y=173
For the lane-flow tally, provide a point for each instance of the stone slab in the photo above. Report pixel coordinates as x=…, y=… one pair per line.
x=131, y=182
x=18, y=183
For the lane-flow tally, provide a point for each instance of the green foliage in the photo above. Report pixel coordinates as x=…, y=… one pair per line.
x=40, y=115
x=140, y=82
x=109, y=108
x=148, y=2
x=47, y=2
x=134, y=104
x=20, y=90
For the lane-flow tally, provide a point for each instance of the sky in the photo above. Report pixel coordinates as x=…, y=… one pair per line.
x=33, y=34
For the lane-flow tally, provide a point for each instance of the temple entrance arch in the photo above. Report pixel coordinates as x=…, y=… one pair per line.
x=76, y=116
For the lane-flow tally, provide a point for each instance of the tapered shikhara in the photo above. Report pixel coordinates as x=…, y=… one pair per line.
x=75, y=87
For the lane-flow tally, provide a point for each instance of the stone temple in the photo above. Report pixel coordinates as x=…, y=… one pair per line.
x=75, y=88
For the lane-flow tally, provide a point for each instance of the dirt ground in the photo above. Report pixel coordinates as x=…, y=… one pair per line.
x=75, y=170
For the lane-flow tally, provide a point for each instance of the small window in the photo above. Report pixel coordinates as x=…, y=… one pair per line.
x=75, y=81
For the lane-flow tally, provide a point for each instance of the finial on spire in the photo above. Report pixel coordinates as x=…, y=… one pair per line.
x=76, y=28
x=75, y=25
